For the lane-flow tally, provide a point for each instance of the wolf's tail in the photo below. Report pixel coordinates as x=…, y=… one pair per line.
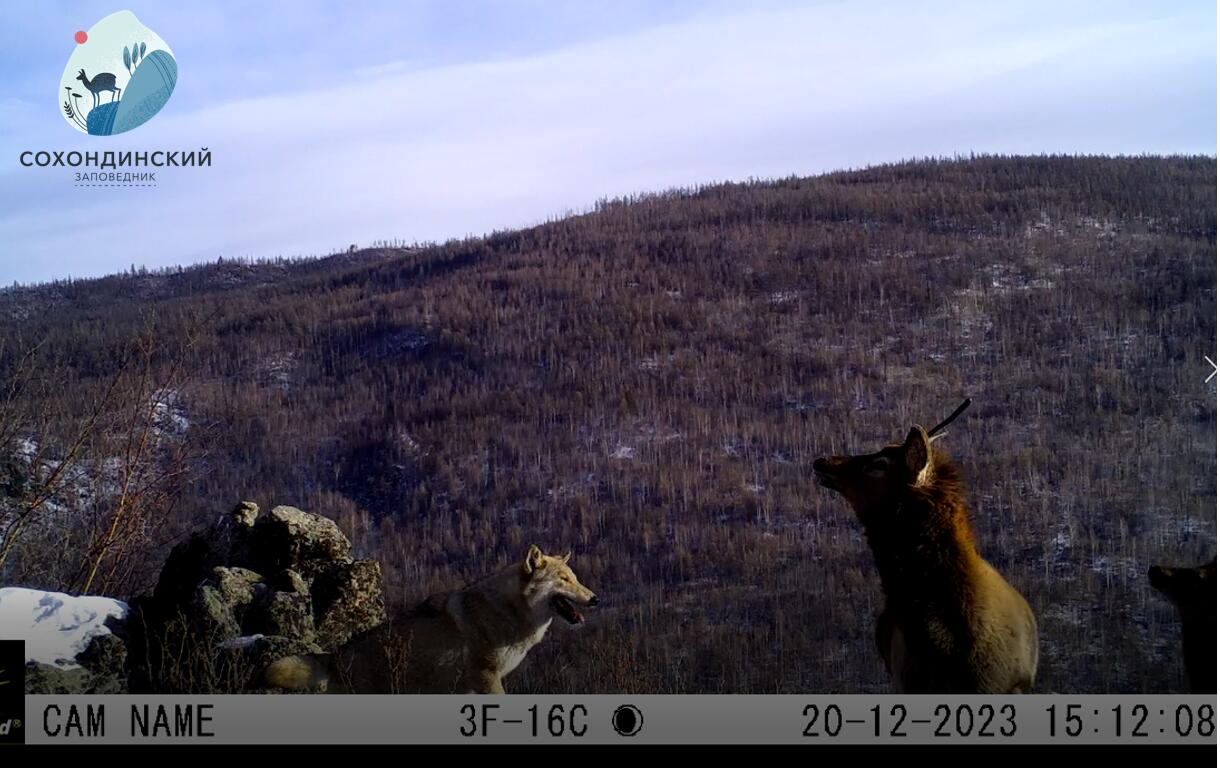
x=298, y=673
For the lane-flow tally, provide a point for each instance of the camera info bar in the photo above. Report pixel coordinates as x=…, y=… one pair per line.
x=611, y=719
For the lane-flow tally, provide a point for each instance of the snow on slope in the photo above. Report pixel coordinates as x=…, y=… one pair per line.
x=55, y=627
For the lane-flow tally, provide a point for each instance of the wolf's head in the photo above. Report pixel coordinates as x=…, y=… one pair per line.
x=876, y=482
x=1190, y=589
x=550, y=586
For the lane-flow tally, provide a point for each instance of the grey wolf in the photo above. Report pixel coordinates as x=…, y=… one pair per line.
x=464, y=641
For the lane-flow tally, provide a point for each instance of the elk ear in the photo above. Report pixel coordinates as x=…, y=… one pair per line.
x=534, y=559
x=918, y=452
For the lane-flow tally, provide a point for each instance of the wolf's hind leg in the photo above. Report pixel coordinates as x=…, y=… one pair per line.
x=488, y=682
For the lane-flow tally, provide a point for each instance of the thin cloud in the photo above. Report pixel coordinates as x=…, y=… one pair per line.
x=394, y=151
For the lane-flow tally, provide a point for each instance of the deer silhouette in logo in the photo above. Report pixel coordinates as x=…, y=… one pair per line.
x=103, y=81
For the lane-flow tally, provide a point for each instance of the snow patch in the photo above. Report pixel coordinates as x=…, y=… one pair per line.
x=55, y=626
x=238, y=643
x=168, y=413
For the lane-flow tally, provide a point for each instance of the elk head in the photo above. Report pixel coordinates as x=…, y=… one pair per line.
x=876, y=482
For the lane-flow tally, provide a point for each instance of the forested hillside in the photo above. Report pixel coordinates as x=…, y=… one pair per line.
x=648, y=385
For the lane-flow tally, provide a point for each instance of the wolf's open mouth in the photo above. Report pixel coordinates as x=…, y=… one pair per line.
x=567, y=609
x=824, y=479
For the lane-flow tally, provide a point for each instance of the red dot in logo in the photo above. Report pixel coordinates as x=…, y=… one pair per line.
x=81, y=37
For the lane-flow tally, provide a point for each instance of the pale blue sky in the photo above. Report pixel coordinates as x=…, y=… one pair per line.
x=334, y=123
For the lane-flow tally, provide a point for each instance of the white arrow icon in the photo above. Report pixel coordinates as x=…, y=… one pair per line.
x=1213, y=374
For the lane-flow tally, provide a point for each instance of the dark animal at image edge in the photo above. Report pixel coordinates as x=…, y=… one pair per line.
x=1193, y=591
x=951, y=623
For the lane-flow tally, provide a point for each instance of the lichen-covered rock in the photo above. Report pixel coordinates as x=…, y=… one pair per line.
x=221, y=603
x=213, y=614
x=230, y=537
x=281, y=613
x=225, y=543
x=237, y=586
x=347, y=600
x=244, y=515
x=289, y=580
x=47, y=679
x=272, y=647
x=290, y=538
x=105, y=655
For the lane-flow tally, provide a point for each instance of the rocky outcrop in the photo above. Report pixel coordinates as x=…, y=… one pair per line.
x=230, y=600
x=346, y=601
x=251, y=589
x=100, y=669
x=290, y=538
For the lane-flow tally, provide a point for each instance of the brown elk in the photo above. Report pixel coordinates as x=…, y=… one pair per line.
x=951, y=623
x=1193, y=591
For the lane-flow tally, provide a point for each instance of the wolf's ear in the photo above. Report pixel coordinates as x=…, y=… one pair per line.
x=534, y=559
x=918, y=451
x=566, y=558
